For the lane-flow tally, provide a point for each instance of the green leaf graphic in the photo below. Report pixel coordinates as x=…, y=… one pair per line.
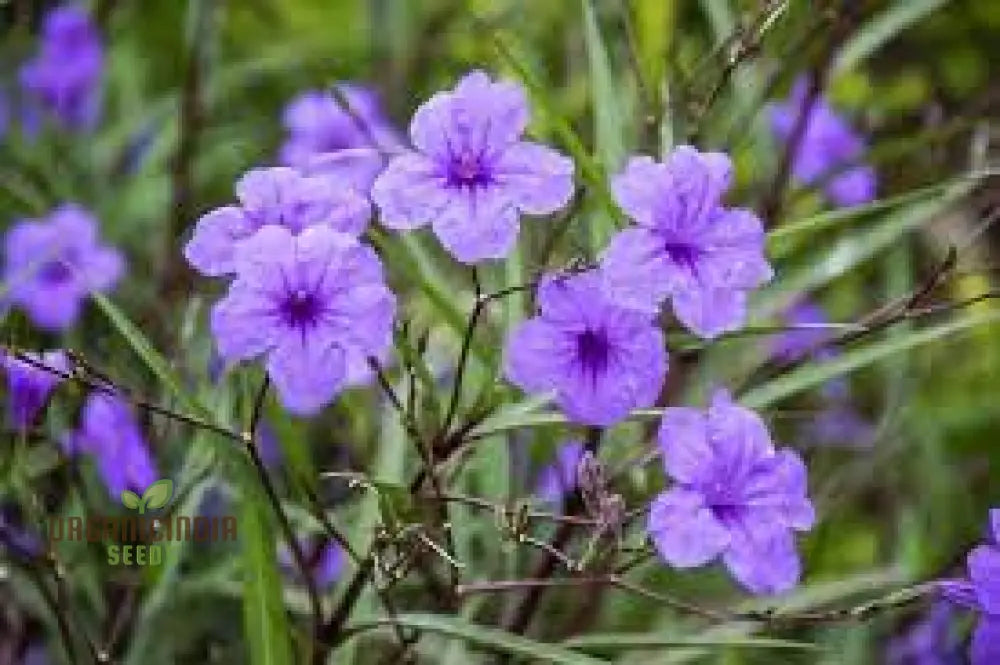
x=130, y=499
x=157, y=495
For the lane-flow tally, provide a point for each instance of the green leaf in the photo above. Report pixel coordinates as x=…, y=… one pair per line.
x=809, y=376
x=609, y=131
x=264, y=621
x=589, y=170
x=130, y=499
x=157, y=494
x=156, y=363
x=612, y=642
x=484, y=637
x=530, y=412
x=882, y=28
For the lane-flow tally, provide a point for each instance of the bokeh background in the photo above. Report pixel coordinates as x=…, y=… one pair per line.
x=900, y=428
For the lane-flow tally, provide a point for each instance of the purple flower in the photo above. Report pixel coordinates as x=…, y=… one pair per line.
x=808, y=318
x=109, y=431
x=734, y=496
x=317, y=123
x=28, y=386
x=829, y=151
x=981, y=593
x=64, y=78
x=687, y=246
x=928, y=642
x=325, y=561
x=314, y=304
x=559, y=479
x=470, y=175
x=601, y=360
x=52, y=264
x=277, y=196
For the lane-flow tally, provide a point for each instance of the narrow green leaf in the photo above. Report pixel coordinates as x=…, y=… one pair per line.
x=143, y=348
x=612, y=642
x=881, y=28
x=809, y=376
x=609, y=130
x=485, y=637
x=530, y=412
x=264, y=620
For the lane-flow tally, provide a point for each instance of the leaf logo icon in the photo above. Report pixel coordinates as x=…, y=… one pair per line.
x=156, y=496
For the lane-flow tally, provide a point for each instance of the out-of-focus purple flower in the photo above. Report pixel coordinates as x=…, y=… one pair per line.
x=734, y=496
x=277, y=196
x=63, y=80
x=315, y=305
x=840, y=424
x=808, y=319
x=29, y=386
x=601, y=360
x=268, y=446
x=559, y=479
x=4, y=113
x=36, y=654
x=829, y=152
x=470, y=175
x=52, y=264
x=927, y=642
x=687, y=246
x=325, y=560
x=18, y=540
x=109, y=431
x=317, y=123
x=981, y=593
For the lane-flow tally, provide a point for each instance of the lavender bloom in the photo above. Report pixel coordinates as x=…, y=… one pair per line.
x=687, y=247
x=734, y=496
x=600, y=359
x=559, y=479
x=793, y=345
x=28, y=386
x=277, y=196
x=829, y=150
x=471, y=175
x=51, y=265
x=325, y=561
x=315, y=304
x=928, y=642
x=981, y=593
x=109, y=431
x=317, y=124
x=64, y=78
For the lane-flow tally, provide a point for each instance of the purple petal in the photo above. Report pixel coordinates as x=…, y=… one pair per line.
x=560, y=478
x=211, y=249
x=537, y=356
x=853, y=187
x=684, y=530
x=242, y=323
x=537, y=179
x=639, y=187
x=763, y=558
x=307, y=372
x=638, y=273
x=739, y=436
x=354, y=167
x=55, y=308
x=478, y=224
x=778, y=487
x=709, y=312
x=410, y=193
x=995, y=525
x=959, y=592
x=683, y=439
x=984, y=572
x=985, y=647
x=732, y=254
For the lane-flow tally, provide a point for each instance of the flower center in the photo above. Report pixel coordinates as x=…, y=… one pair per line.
x=593, y=351
x=56, y=271
x=300, y=309
x=723, y=500
x=467, y=170
x=682, y=253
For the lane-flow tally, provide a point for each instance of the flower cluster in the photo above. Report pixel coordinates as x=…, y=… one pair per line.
x=829, y=150
x=981, y=593
x=63, y=80
x=734, y=496
x=51, y=265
